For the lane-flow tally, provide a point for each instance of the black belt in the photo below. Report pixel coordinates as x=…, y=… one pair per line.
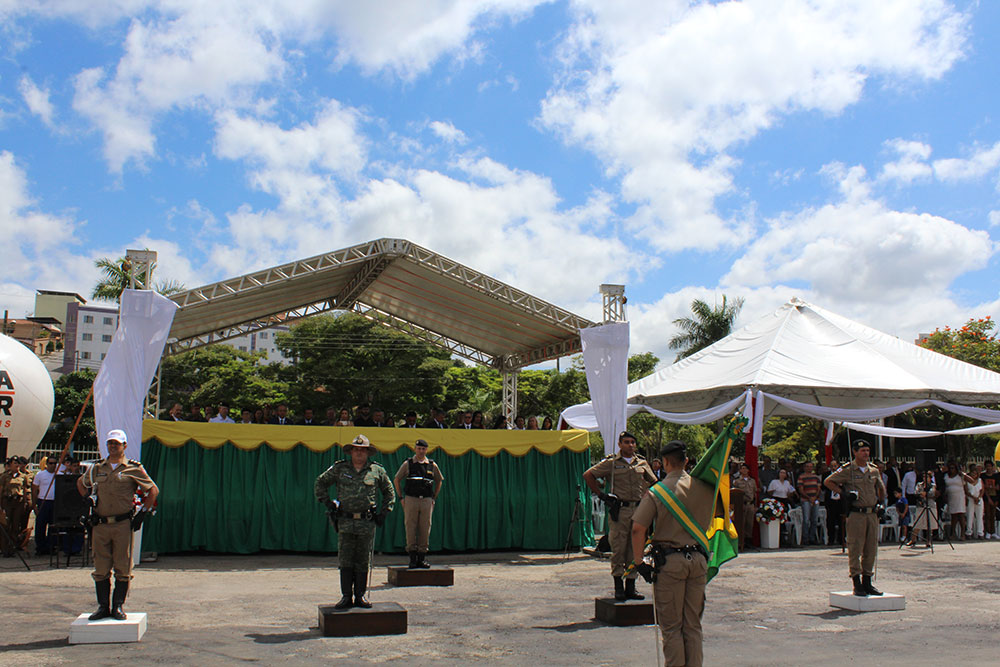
x=863, y=510
x=628, y=503
x=417, y=495
x=666, y=549
x=112, y=519
x=355, y=515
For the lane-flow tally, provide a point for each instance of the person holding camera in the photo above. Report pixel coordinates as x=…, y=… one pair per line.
x=627, y=478
x=860, y=484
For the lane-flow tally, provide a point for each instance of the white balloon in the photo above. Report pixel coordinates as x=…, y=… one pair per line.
x=26, y=397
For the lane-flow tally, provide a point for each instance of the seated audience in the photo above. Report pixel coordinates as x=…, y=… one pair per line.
x=410, y=420
x=223, y=416
x=246, y=417
x=344, y=418
x=547, y=425
x=281, y=415
x=363, y=416
x=532, y=423
x=477, y=420
x=307, y=418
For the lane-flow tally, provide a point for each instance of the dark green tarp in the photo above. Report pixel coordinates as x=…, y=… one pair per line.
x=242, y=501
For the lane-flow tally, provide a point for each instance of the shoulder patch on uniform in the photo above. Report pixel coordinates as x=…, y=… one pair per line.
x=134, y=462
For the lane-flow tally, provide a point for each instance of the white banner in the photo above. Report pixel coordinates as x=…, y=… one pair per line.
x=605, y=360
x=122, y=384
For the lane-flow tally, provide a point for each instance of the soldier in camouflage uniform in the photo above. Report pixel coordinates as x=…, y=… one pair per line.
x=15, y=503
x=355, y=514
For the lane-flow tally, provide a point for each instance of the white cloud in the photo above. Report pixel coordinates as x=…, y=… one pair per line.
x=980, y=163
x=448, y=132
x=661, y=97
x=39, y=247
x=912, y=162
x=37, y=100
x=994, y=218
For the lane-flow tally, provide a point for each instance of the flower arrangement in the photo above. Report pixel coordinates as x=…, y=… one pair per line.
x=771, y=510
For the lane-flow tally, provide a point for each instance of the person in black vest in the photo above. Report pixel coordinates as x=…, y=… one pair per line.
x=418, y=482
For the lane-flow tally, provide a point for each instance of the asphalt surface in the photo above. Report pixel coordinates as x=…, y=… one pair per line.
x=513, y=609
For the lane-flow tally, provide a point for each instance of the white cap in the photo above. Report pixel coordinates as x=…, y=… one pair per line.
x=117, y=435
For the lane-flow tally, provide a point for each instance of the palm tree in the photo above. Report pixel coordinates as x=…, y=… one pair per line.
x=116, y=279
x=706, y=327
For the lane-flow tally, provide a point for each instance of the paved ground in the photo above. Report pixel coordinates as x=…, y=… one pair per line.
x=515, y=609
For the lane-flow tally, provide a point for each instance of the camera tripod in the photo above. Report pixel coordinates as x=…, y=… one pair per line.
x=577, y=512
x=6, y=535
x=925, y=511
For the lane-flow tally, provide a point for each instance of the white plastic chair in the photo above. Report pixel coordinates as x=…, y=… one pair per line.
x=821, y=524
x=890, y=522
x=944, y=523
x=795, y=523
x=597, y=513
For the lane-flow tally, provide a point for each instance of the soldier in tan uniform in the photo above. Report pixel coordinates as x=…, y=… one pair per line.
x=111, y=486
x=15, y=504
x=418, y=482
x=861, y=483
x=627, y=476
x=681, y=569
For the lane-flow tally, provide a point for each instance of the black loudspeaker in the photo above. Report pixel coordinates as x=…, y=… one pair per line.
x=3, y=450
x=69, y=505
x=925, y=459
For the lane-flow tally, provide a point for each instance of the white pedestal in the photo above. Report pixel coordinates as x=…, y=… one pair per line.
x=107, y=630
x=770, y=534
x=884, y=602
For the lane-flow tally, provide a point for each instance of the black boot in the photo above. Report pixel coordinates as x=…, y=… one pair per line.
x=630, y=593
x=103, y=600
x=619, y=589
x=859, y=588
x=360, y=586
x=866, y=583
x=346, y=584
x=413, y=561
x=118, y=599
x=421, y=562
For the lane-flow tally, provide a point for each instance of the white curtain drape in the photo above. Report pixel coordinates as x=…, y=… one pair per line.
x=583, y=417
x=605, y=360
x=122, y=384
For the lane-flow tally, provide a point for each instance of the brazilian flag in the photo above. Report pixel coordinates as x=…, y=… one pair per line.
x=713, y=469
x=720, y=540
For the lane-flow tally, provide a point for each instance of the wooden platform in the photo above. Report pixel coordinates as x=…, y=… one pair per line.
x=435, y=576
x=107, y=630
x=384, y=618
x=630, y=612
x=885, y=602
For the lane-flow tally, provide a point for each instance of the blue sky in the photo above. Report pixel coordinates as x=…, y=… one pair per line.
x=843, y=151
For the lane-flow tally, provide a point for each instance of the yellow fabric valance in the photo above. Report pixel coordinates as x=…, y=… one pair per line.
x=454, y=442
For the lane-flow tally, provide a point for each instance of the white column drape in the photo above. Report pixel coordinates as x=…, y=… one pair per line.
x=605, y=360
x=122, y=384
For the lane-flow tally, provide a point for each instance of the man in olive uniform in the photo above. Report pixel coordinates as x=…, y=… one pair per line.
x=355, y=514
x=418, y=481
x=627, y=477
x=679, y=586
x=111, y=486
x=861, y=482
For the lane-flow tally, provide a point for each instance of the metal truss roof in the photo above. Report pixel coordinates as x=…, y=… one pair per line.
x=393, y=282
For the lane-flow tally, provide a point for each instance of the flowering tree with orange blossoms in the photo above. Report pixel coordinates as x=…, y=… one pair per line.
x=975, y=343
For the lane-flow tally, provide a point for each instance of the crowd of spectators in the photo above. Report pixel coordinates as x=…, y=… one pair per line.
x=363, y=416
x=24, y=492
x=965, y=503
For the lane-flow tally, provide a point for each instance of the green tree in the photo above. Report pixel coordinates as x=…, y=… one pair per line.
x=116, y=279
x=709, y=324
x=348, y=360
x=797, y=438
x=70, y=392
x=216, y=373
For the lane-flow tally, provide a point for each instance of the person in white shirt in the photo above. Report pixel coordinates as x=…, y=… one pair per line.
x=781, y=489
x=43, y=489
x=223, y=416
x=910, y=486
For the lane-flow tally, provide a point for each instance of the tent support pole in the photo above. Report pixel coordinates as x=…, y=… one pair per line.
x=509, y=381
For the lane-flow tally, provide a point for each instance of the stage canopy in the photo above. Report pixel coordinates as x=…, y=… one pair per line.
x=235, y=488
x=396, y=283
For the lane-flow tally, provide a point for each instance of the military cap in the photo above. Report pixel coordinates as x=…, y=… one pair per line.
x=421, y=443
x=360, y=441
x=859, y=443
x=626, y=434
x=673, y=447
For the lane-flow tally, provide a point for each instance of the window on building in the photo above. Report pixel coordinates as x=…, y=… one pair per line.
x=85, y=355
x=243, y=348
x=109, y=321
x=88, y=336
x=88, y=319
x=263, y=335
x=103, y=355
x=106, y=338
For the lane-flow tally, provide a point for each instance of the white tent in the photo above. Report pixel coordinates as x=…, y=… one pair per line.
x=804, y=360
x=810, y=355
